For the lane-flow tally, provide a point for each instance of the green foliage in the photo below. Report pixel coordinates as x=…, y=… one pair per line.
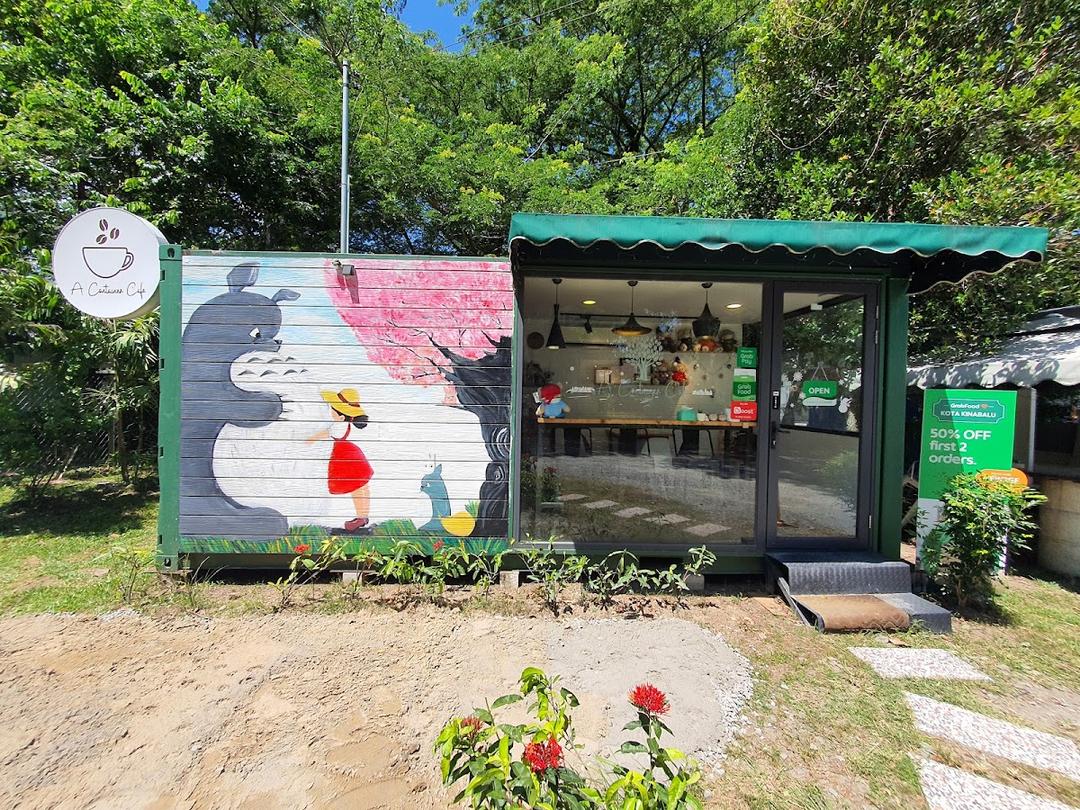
x=981, y=519
x=617, y=573
x=222, y=128
x=552, y=571
x=506, y=765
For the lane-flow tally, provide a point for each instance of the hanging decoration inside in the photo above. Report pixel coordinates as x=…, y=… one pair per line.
x=631, y=328
x=555, y=336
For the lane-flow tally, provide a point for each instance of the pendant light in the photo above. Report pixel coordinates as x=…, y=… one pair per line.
x=555, y=337
x=631, y=328
x=706, y=323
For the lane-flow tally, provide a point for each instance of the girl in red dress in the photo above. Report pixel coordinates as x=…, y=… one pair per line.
x=349, y=471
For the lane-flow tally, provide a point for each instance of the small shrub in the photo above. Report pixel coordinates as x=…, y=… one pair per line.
x=306, y=567
x=553, y=571
x=126, y=567
x=981, y=519
x=617, y=573
x=484, y=568
x=508, y=765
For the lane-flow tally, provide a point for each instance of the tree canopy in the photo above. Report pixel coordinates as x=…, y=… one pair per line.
x=222, y=128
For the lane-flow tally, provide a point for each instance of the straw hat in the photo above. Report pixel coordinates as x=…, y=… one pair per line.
x=346, y=401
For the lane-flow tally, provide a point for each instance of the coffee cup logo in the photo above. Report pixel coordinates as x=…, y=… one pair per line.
x=106, y=263
x=104, y=260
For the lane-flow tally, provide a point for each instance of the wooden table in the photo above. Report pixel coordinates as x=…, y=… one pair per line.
x=628, y=431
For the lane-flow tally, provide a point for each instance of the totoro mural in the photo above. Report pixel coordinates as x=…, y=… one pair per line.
x=370, y=400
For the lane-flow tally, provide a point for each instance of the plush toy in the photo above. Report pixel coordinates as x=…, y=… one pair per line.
x=680, y=373
x=551, y=403
x=728, y=342
x=706, y=344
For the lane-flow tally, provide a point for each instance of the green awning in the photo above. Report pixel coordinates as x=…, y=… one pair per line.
x=952, y=251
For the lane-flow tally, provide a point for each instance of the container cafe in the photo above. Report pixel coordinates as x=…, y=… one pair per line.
x=643, y=383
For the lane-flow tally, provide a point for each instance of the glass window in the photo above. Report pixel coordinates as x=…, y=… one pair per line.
x=639, y=422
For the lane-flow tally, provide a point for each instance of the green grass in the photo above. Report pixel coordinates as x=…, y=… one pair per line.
x=65, y=552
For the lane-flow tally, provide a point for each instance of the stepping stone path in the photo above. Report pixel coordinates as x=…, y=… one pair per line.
x=948, y=788
x=995, y=737
x=911, y=662
x=701, y=530
x=705, y=529
x=668, y=520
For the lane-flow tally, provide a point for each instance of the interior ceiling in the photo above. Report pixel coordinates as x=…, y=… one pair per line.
x=659, y=298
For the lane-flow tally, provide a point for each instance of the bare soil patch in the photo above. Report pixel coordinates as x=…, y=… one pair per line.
x=303, y=710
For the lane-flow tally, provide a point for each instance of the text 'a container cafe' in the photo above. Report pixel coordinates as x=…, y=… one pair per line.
x=644, y=383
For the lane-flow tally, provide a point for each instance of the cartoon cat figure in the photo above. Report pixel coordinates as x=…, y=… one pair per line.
x=219, y=332
x=458, y=524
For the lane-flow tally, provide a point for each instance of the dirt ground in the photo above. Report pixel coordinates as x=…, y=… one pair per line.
x=305, y=710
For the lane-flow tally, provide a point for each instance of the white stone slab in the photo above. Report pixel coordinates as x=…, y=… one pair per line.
x=668, y=520
x=573, y=496
x=633, y=511
x=706, y=529
x=911, y=662
x=600, y=504
x=948, y=788
x=996, y=737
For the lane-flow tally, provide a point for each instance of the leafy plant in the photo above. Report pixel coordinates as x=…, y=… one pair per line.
x=305, y=568
x=552, y=571
x=447, y=562
x=506, y=765
x=617, y=573
x=981, y=520
x=484, y=568
x=126, y=565
x=670, y=777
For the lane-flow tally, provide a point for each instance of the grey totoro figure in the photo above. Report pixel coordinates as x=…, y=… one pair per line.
x=223, y=329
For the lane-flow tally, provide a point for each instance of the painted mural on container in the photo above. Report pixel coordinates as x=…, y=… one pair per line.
x=318, y=400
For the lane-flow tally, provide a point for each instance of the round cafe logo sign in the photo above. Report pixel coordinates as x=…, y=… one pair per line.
x=105, y=262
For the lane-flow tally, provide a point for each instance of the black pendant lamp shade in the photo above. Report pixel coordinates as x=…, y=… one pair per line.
x=706, y=323
x=631, y=328
x=555, y=337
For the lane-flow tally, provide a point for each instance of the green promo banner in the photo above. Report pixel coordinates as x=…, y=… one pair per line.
x=962, y=432
x=746, y=357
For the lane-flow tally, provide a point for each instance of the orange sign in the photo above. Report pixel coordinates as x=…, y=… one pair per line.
x=1018, y=478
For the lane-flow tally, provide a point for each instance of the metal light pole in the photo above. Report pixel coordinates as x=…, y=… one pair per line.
x=344, y=241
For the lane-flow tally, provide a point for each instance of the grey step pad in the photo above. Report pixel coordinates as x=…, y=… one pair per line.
x=933, y=617
x=848, y=577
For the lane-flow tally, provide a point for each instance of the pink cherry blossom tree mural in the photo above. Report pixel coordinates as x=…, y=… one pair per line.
x=446, y=323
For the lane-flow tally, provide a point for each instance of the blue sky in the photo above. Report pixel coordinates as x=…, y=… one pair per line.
x=422, y=15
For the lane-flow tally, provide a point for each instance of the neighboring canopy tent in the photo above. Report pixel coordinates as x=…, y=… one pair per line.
x=926, y=254
x=1045, y=349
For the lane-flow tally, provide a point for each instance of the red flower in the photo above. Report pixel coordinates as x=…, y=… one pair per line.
x=438, y=545
x=471, y=724
x=303, y=548
x=649, y=699
x=540, y=756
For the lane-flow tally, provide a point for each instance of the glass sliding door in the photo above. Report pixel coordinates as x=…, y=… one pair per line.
x=820, y=416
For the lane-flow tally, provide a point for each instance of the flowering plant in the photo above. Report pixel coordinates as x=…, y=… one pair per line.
x=482, y=751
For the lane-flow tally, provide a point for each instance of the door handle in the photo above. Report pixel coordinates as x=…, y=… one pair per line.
x=774, y=428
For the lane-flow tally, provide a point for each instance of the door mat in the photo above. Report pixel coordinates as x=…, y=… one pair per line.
x=844, y=612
